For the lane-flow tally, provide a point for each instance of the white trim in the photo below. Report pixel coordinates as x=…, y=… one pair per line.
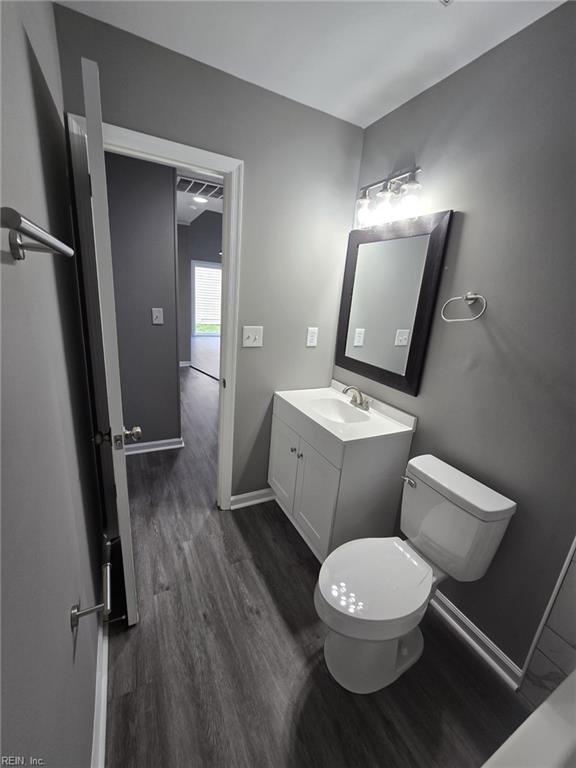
x=154, y=445
x=100, y=700
x=549, y=607
x=254, y=497
x=231, y=250
x=477, y=640
x=135, y=144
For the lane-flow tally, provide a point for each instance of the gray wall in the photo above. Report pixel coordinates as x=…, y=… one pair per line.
x=142, y=205
x=50, y=524
x=308, y=159
x=496, y=143
x=201, y=240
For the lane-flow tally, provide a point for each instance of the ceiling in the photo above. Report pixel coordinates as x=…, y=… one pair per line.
x=190, y=185
x=355, y=60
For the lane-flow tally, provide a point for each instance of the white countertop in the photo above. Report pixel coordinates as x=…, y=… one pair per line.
x=372, y=423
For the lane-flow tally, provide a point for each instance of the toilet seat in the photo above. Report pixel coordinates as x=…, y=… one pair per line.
x=373, y=589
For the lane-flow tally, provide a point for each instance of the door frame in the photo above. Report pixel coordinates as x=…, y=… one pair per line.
x=123, y=141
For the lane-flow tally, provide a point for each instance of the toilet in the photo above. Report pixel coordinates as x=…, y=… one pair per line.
x=372, y=593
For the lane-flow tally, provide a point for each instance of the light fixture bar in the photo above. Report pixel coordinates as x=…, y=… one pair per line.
x=393, y=178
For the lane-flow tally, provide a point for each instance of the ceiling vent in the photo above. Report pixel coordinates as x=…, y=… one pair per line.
x=199, y=187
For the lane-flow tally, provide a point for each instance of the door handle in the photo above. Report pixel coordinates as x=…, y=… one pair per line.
x=292, y=450
x=300, y=455
x=134, y=434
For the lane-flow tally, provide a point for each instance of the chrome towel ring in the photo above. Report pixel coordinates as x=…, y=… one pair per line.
x=470, y=298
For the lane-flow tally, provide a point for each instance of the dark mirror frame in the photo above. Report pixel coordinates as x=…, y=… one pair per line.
x=436, y=225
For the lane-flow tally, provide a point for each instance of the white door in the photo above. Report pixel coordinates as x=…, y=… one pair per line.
x=95, y=272
x=283, y=463
x=315, y=500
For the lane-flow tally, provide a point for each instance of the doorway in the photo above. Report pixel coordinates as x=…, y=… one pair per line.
x=191, y=161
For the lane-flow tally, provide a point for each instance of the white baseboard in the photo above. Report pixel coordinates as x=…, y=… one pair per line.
x=254, y=497
x=185, y=363
x=477, y=640
x=154, y=445
x=100, y=700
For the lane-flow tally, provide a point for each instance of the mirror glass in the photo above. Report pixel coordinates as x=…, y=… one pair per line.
x=388, y=299
x=384, y=300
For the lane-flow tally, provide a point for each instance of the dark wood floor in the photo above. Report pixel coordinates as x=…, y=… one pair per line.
x=205, y=354
x=226, y=667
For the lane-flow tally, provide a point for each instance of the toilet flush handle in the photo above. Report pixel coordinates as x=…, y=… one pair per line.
x=411, y=483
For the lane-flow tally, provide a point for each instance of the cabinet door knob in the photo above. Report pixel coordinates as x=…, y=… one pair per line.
x=292, y=450
x=300, y=455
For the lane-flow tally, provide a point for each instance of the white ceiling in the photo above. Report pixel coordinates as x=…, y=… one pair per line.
x=355, y=60
x=187, y=209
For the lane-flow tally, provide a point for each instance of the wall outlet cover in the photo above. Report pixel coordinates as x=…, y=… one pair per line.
x=312, y=337
x=402, y=337
x=359, y=337
x=252, y=335
x=157, y=316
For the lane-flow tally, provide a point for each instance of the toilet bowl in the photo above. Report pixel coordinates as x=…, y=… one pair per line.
x=372, y=593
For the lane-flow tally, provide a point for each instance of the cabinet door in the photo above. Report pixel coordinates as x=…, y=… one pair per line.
x=315, y=500
x=283, y=463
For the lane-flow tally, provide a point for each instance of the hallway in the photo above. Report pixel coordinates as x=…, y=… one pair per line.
x=226, y=669
x=205, y=354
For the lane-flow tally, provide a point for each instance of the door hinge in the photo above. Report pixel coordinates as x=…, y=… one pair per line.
x=101, y=437
x=223, y=383
x=90, y=185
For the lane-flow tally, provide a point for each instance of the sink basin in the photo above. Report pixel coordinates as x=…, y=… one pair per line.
x=338, y=411
x=331, y=410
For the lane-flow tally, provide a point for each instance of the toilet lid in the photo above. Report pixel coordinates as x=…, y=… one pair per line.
x=375, y=579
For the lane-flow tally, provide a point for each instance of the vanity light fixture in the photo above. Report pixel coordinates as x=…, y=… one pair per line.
x=391, y=199
x=363, y=210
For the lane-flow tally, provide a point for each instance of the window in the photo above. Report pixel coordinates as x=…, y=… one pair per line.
x=207, y=297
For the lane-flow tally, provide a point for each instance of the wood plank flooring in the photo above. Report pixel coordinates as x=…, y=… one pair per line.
x=205, y=354
x=226, y=670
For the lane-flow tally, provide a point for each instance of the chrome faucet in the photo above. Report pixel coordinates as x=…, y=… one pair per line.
x=357, y=399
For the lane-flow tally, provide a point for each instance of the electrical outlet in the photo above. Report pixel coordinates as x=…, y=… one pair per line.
x=359, y=337
x=157, y=316
x=312, y=337
x=252, y=335
x=402, y=338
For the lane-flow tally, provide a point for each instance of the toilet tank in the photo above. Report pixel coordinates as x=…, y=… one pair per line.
x=453, y=520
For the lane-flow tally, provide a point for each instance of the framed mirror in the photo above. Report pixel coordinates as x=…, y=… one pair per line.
x=388, y=297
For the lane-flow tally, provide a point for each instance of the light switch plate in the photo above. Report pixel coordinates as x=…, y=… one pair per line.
x=252, y=335
x=312, y=337
x=157, y=316
x=402, y=337
x=359, y=337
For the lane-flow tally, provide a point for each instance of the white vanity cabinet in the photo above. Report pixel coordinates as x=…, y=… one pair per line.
x=306, y=485
x=336, y=484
